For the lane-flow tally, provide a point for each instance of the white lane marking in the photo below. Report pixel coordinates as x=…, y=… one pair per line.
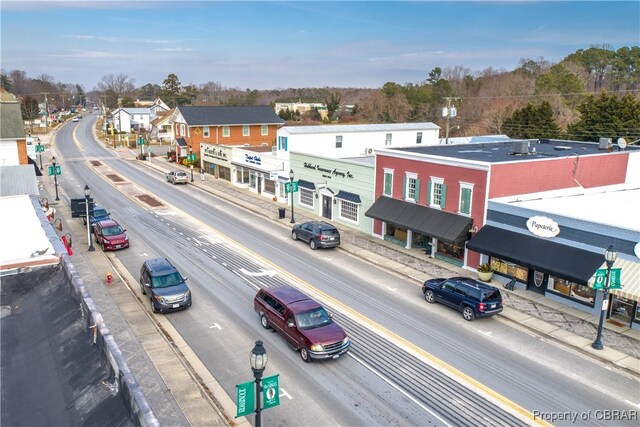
x=215, y=325
x=487, y=333
x=269, y=273
x=388, y=381
x=254, y=286
x=392, y=289
x=285, y=394
x=198, y=242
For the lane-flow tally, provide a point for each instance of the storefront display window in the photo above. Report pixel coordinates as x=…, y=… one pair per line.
x=450, y=250
x=269, y=186
x=622, y=309
x=510, y=269
x=572, y=290
x=224, y=173
x=242, y=175
x=637, y=319
x=252, y=179
x=396, y=234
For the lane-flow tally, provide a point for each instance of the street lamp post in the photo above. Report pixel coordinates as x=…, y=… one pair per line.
x=258, y=360
x=610, y=256
x=55, y=176
x=291, y=179
x=40, y=150
x=191, y=161
x=87, y=193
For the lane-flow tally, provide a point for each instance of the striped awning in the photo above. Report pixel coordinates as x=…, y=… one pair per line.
x=629, y=278
x=306, y=184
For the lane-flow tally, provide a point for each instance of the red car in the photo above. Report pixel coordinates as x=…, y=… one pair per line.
x=110, y=235
x=303, y=322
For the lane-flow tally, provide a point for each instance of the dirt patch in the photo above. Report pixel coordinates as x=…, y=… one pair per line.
x=149, y=200
x=115, y=178
x=96, y=162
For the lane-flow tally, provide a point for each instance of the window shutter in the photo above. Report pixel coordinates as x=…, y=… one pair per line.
x=404, y=187
x=428, y=193
x=465, y=201
x=417, y=190
x=443, y=201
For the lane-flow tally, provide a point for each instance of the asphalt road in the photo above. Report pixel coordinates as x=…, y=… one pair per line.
x=411, y=363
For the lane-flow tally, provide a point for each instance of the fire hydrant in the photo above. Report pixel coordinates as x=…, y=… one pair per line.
x=109, y=278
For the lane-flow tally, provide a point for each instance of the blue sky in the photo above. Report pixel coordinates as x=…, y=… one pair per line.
x=269, y=45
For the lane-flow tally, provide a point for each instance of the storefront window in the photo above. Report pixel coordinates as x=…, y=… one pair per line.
x=242, y=175
x=510, y=269
x=348, y=210
x=396, y=234
x=638, y=312
x=306, y=197
x=225, y=173
x=622, y=309
x=269, y=186
x=572, y=290
x=252, y=179
x=450, y=250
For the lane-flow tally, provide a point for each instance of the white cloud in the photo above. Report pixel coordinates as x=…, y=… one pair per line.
x=174, y=49
x=93, y=54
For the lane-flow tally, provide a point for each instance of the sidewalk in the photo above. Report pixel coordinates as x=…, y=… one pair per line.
x=561, y=323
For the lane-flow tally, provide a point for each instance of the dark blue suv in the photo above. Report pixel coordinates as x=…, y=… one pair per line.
x=470, y=297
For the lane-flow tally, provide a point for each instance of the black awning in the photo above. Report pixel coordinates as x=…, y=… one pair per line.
x=444, y=226
x=306, y=184
x=181, y=142
x=350, y=197
x=550, y=257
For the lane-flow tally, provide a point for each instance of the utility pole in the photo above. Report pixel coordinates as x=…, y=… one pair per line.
x=46, y=111
x=449, y=111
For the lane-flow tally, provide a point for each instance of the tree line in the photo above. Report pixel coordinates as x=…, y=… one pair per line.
x=591, y=93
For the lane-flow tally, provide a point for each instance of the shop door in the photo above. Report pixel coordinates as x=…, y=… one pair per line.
x=259, y=185
x=326, y=206
x=537, y=282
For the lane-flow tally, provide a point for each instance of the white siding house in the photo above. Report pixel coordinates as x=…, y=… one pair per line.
x=128, y=119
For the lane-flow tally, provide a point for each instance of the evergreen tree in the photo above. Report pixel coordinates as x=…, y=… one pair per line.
x=532, y=122
x=607, y=116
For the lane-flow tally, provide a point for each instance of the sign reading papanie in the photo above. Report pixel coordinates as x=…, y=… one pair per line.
x=542, y=226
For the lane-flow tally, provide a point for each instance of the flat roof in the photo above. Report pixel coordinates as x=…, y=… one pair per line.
x=360, y=128
x=598, y=205
x=504, y=151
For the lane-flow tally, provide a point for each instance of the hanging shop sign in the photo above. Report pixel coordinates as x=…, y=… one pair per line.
x=542, y=226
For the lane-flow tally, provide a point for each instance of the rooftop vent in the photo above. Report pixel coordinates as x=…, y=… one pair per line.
x=562, y=147
x=521, y=147
x=605, y=143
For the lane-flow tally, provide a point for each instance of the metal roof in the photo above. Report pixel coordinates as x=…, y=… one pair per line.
x=214, y=116
x=505, y=151
x=18, y=179
x=10, y=117
x=381, y=127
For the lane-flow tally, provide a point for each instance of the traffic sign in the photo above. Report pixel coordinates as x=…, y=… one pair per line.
x=246, y=399
x=140, y=141
x=58, y=171
x=191, y=158
x=287, y=187
x=270, y=392
x=39, y=148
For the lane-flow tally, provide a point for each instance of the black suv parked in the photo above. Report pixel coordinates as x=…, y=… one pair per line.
x=472, y=298
x=165, y=286
x=318, y=234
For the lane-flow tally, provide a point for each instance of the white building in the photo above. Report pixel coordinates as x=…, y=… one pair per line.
x=344, y=141
x=128, y=119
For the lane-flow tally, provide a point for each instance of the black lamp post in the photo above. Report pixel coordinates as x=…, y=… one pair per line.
x=40, y=150
x=191, y=161
x=55, y=176
x=87, y=193
x=610, y=256
x=258, y=360
x=291, y=179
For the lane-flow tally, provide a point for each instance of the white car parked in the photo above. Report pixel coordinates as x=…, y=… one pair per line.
x=176, y=177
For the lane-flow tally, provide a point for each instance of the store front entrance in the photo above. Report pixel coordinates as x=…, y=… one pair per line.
x=326, y=206
x=537, y=282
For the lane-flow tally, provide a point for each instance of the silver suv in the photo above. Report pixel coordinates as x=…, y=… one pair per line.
x=176, y=177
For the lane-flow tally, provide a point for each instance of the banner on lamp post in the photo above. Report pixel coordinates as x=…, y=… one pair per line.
x=246, y=399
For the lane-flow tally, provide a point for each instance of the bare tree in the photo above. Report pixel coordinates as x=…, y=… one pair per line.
x=122, y=85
